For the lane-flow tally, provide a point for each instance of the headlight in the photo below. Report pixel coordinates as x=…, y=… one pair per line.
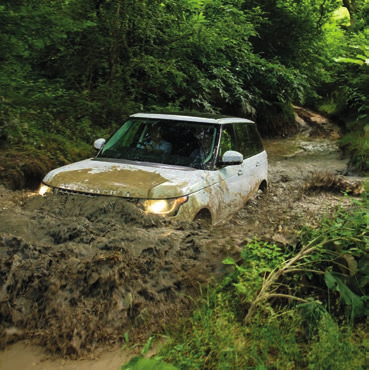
x=44, y=189
x=168, y=207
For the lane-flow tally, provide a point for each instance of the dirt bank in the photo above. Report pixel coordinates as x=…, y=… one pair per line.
x=77, y=273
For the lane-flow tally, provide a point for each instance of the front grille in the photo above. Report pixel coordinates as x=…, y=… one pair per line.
x=72, y=192
x=91, y=195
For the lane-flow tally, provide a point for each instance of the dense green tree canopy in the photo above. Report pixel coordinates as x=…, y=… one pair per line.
x=72, y=63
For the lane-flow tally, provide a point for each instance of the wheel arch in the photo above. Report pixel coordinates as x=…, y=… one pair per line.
x=263, y=186
x=204, y=215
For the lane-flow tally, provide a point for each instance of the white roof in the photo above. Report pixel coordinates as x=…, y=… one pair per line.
x=193, y=118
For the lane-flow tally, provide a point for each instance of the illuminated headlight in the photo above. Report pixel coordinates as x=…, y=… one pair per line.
x=167, y=207
x=44, y=189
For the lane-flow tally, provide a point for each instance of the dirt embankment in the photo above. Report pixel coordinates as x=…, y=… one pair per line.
x=78, y=272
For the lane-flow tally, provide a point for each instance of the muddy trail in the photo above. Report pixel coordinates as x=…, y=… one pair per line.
x=77, y=273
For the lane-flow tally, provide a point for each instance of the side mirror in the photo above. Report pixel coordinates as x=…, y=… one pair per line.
x=99, y=143
x=232, y=157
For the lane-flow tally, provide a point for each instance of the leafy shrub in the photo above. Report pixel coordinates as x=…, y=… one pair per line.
x=355, y=145
x=35, y=140
x=337, y=252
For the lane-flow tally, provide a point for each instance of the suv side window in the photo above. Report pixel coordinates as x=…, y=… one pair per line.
x=228, y=140
x=248, y=139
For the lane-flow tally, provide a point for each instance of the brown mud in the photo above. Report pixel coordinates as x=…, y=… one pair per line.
x=77, y=273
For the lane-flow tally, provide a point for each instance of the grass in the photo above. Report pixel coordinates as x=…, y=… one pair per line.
x=217, y=338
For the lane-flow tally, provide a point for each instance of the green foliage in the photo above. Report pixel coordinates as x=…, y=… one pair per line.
x=24, y=166
x=293, y=33
x=139, y=363
x=217, y=338
x=336, y=251
x=32, y=143
x=278, y=118
x=341, y=252
x=72, y=67
x=356, y=76
x=260, y=258
x=328, y=273
x=339, y=282
x=355, y=145
x=98, y=62
x=331, y=340
x=348, y=52
x=119, y=55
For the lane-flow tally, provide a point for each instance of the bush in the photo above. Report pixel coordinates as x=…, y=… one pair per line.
x=355, y=145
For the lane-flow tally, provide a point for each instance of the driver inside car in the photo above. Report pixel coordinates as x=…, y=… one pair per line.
x=155, y=143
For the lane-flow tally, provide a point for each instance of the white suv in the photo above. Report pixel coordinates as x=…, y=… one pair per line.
x=186, y=166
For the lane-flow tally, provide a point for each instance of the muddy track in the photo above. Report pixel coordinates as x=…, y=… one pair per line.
x=79, y=272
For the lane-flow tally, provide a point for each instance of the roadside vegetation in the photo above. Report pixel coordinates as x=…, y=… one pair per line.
x=72, y=70
x=301, y=306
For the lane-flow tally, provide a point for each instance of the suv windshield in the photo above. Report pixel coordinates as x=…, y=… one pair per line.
x=182, y=143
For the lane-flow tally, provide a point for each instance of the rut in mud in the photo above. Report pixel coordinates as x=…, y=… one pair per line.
x=78, y=272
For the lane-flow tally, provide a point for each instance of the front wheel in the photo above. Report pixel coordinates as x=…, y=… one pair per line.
x=203, y=218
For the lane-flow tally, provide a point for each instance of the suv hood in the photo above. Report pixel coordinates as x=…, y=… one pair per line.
x=129, y=179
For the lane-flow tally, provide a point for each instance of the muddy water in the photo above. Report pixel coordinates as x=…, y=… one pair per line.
x=300, y=156
x=76, y=274
x=23, y=356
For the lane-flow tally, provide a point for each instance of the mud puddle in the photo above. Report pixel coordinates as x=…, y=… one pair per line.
x=29, y=357
x=78, y=273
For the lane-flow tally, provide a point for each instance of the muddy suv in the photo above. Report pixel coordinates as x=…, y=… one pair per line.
x=179, y=165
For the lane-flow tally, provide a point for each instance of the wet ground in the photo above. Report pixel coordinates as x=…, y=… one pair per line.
x=76, y=274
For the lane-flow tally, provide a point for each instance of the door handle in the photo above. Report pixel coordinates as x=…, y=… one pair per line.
x=258, y=164
x=240, y=173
